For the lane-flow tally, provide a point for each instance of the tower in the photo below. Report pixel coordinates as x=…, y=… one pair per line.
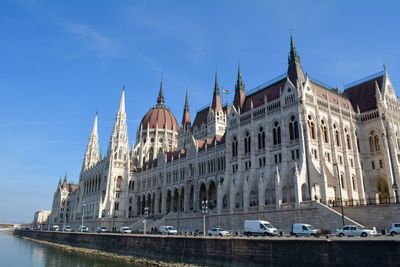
x=240, y=92
x=216, y=118
x=118, y=171
x=185, y=130
x=295, y=71
x=92, y=154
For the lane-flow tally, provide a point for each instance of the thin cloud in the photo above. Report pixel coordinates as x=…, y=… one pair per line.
x=34, y=142
x=93, y=40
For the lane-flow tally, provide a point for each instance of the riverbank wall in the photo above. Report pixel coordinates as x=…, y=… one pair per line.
x=235, y=251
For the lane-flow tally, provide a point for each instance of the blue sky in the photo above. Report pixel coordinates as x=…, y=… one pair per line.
x=61, y=61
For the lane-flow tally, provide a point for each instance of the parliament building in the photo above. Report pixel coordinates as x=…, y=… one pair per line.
x=276, y=152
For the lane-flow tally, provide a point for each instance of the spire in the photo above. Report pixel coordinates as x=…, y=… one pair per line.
x=295, y=71
x=65, y=179
x=119, y=137
x=92, y=154
x=186, y=113
x=240, y=93
x=94, y=129
x=160, y=98
x=122, y=101
x=216, y=101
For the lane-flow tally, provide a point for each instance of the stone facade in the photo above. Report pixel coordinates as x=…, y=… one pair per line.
x=64, y=203
x=289, y=141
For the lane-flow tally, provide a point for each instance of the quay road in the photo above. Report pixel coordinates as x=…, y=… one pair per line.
x=241, y=236
x=240, y=251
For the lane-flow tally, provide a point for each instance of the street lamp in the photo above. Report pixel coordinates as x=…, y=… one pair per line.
x=204, y=211
x=145, y=214
x=340, y=191
x=65, y=218
x=83, y=215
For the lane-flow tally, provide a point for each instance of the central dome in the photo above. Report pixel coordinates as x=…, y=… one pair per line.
x=160, y=116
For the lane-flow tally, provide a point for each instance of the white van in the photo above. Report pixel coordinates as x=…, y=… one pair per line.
x=167, y=230
x=302, y=229
x=258, y=227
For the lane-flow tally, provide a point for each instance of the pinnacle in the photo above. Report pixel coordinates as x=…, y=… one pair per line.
x=94, y=129
x=216, y=86
x=122, y=102
x=160, y=98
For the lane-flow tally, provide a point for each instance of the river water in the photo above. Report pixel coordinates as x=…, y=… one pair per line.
x=18, y=252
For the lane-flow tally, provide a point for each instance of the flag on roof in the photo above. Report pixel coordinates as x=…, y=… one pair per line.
x=225, y=91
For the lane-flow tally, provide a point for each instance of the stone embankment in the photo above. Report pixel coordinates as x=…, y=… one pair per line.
x=235, y=251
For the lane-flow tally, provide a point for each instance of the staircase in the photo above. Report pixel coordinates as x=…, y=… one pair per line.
x=331, y=219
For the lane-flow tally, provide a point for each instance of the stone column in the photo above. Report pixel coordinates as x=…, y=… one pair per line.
x=220, y=195
x=278, y=189
x=186, y=198
x=261, y=192
x=232, y=195
x=196, y=195
x=156, y=199
x=245, y=194
x=164, y=202
x=297, y=193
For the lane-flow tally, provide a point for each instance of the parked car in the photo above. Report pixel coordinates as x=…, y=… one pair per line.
x=67, y=228
x=83, y=228
x=167, y=230
x=258, y=227
x=394, y=229
x=55, y=228
x=353, y=230
x=101, y=229
x=302, y=229
x=218, y=232
x=125, y=230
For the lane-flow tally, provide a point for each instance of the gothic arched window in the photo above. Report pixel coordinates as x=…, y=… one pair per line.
x=119, y=182
x=324, y=131
x=348, y=140
x=234, y=147
x=337, y=137
x=261, y=138
x=293, y=128
x=311, y=127
x=342, y=180
x=276, y=133
x=374, y=142
x=353, y=181
x=247, y=143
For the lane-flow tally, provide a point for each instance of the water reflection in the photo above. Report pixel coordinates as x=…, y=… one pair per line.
x=20, y=252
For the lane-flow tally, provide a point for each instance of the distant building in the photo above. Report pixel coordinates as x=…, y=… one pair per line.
x=289, y=141
x=41, y=218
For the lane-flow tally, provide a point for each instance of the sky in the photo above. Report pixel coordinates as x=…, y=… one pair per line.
x=61, y=61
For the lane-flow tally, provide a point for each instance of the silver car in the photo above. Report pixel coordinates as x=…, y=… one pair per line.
x=353, y=230
x=394, y=229
x=125, y=230
x=218, y=232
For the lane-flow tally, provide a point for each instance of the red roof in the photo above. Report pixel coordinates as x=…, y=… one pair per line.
x=201, y=117
x=216, y=140
x=162, y=116
x=272, y=92
x=330, y=94
x=363, y=94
